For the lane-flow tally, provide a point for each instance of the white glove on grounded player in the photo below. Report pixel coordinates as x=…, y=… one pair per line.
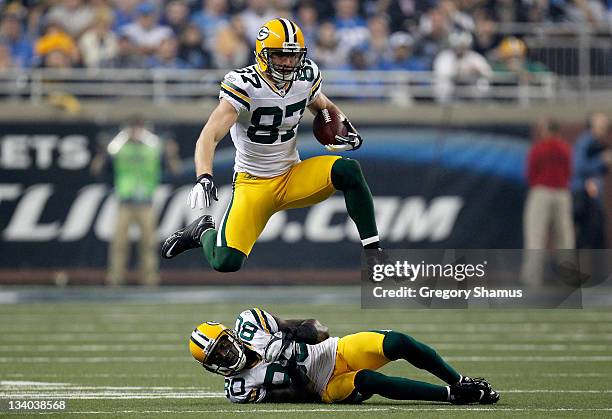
x=352, y=141
x=202, y=192
x=278, y=346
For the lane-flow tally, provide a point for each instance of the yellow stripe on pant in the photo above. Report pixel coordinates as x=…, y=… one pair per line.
x=255, y=200
x=359, y=351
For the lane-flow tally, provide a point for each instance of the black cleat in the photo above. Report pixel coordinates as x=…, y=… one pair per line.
x=473, y=390
x=186, y=238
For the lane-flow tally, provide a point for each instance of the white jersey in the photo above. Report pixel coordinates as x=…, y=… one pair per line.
x=254, y=327
x=268, y=118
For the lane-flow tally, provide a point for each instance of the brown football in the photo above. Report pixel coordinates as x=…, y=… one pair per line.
x=326, y=125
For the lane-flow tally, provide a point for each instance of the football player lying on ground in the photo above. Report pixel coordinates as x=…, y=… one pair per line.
x=266, y=359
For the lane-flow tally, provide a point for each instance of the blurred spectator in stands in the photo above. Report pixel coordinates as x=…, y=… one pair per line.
x=459, y=21
x=233, y=47
x=358, y=60
x=351, y=28
x=211, y=19
x=378, y=40
x=512, y=57
x=307, y=20
x=283, y=8
x=460, y=66
x=486, y=37
x=402, y=14
x=57, y=59
x=191, y=49
x=591, y=12
x=176, y=16
x=136, y=155
x=548, y=207
x=401, y=55
x=593, y=159
x=19, y=45
x=543, y=11
x=508, y=11
x=166, y=56
x=434, y=29
x=471, y=6
x=328, y=52
x=56, y=39
x=145, y=33
x=99, y=44
x=367, y=88
x=62, y=64
x=256, y=14
x=6, y=59
x=125, y=12
x=74, y=15
x=127, y=55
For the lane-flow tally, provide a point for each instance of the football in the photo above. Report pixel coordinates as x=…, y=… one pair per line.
x=326, y=125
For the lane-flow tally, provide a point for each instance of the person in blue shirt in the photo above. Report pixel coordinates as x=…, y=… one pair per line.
x=592, y=160
x=19, y=45
x=166, y=56
x=351, y=27
x=402, y=57
x=210, y=19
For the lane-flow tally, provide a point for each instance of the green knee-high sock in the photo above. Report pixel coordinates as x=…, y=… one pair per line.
x=208, y=240
x=400, y=346
x=223, y=259
x=398, y=388
x=347, y=177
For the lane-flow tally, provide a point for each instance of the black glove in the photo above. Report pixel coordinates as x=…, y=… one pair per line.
x=201, y=194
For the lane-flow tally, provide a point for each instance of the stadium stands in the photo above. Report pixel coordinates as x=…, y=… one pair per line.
x=543, y=48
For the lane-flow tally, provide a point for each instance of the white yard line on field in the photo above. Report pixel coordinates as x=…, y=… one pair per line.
x=92, y=348
x=104, y=375
x=93, y=360
x=129, y=393
x=337, y=409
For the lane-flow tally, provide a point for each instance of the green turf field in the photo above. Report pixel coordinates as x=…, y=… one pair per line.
x=118, y=359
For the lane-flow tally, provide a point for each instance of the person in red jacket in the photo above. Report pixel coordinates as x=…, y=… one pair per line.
x=548, y=208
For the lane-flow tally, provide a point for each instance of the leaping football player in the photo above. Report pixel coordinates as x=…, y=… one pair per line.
x=261, y=106
x=267, y=359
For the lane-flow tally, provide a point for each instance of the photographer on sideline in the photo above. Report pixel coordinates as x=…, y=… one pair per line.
x=137, y=157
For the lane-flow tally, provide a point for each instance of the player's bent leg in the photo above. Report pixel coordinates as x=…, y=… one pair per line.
x=397, y=345
x=462, y=390
x=347, y=177
x=362, y=350
x=398, y=388
x=221, y=258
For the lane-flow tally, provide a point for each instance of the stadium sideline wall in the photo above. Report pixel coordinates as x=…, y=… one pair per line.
x=56, y=219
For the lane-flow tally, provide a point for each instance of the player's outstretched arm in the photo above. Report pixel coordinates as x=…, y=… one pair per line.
x=217, y=126
x=219, y=123
x=309, y=331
